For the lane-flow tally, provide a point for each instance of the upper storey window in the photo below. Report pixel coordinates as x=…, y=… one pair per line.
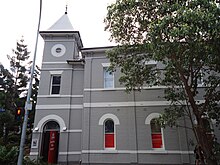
x=55, y=84
x=108, y=78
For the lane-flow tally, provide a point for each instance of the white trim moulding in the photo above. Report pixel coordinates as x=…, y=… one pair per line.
x=131, y=104
x=59, y=96
x=120, y=152
x=127, y=104
x=54, y=63
x=74, y=131
x=60, y=106
x=122, y=88
x=139, y=151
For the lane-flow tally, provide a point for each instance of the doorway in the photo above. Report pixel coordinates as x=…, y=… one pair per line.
x=50, y=142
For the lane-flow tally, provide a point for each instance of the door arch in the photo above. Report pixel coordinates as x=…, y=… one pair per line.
x=50, y=142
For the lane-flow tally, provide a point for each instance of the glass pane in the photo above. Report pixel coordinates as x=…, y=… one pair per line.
x=157, y=140
x=51, y=125
x=109, y=141
x=155, y=127
x=55, y=90
x=56, y=79
x=108, y=79
x=109, y=126
x=108, y=83
x=108, y=74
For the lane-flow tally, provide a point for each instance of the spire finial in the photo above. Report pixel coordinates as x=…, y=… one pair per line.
x=66, y=9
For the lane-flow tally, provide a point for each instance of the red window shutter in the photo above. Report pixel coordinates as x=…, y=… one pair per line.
x=109, y=141
x=157, y=140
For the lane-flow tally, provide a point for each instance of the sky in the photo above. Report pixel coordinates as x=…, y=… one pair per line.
x=20, y=18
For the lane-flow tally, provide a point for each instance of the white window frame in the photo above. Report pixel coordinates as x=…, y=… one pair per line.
x=104, y=78
x=110, y=148
x=148, y=122
x=51, y=83
x=102, y=121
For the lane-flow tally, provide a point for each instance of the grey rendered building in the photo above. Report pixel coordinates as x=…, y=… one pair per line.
x=85, y=116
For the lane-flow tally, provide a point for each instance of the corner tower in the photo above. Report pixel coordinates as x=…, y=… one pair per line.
x=61, y=41
x=58, y=117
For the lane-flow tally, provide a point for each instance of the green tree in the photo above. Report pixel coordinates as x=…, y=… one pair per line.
x=13, y=93
x=184, y=37
x=6, y=103
x=19, y=66
x=8, y=156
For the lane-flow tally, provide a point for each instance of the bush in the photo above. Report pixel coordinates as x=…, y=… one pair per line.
x=8, y=156
x=28, y=161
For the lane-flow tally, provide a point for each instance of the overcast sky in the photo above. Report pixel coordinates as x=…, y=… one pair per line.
x=20, y=18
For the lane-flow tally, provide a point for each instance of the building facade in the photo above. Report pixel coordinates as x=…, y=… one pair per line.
x=84, y=115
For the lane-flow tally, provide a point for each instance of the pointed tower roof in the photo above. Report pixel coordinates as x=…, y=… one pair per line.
x=63, y=24
x=62, y=27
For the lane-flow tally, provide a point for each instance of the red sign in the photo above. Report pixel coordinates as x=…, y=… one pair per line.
x=52, y=147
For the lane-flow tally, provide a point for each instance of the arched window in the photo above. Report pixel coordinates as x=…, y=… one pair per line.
x=109, y=134
x=51, y=125
x=156, y=134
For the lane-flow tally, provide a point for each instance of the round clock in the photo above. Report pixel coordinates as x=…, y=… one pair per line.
x=58, y=50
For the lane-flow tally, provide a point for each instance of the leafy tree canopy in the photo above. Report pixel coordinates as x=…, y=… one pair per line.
x=183, y=37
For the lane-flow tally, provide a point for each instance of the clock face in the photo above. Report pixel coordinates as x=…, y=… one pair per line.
x=58, y=50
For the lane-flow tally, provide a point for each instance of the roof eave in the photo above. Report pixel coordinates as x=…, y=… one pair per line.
x=63, y=33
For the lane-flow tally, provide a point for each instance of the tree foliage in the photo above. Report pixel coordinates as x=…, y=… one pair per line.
x=183, y=37
x=8, y=156
x=19, y=66
x=13, y=93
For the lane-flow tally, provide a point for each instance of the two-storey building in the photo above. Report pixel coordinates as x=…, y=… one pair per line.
x=84, y=115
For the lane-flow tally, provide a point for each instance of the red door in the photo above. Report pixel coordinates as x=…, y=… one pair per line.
x=52, y=150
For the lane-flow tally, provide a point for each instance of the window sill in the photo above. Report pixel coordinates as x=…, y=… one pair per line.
x=159, y=149
x=109, y=89
x=110, y=150
x=54, y=95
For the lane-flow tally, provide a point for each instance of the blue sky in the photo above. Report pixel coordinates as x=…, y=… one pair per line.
x=20, y=18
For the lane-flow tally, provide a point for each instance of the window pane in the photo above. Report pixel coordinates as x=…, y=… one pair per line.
x=52, y=125
x=157, y=140
x=155, y=127
x=156, y=134
x=108, y=79
x=109, y=141
x=56, y=79
x=108, y=83
x=55, y=90
x=109, y=126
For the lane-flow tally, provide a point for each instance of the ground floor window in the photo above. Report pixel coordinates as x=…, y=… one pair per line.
x=109, y=134
x=156, y=134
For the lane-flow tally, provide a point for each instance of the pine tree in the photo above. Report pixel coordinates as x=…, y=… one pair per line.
x=14, y=91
